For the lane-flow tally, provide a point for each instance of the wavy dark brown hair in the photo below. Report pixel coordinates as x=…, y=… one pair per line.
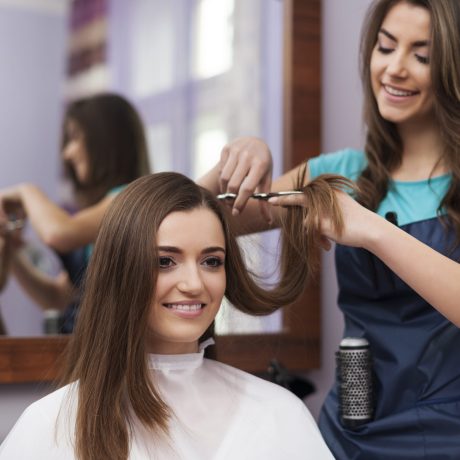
x=107, y=353
x=383, y=144
x=115, y=141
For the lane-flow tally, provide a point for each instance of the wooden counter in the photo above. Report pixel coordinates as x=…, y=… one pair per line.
x=30, y=359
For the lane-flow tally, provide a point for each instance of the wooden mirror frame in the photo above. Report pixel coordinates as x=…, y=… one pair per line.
x=297, y=346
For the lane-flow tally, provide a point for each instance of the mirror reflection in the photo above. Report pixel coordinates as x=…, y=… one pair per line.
x=198, y=73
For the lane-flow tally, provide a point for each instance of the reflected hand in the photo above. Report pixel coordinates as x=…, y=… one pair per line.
x=11, y=230
x=11, y=207
x=246, y=167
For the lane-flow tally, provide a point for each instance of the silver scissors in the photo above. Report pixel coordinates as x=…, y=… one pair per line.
x=260, y=196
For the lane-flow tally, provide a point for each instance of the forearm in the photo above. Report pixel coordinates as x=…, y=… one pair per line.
x=432, y=275
x=210, y=180
x=47, y=291
x=48, y=220
x=57, y=228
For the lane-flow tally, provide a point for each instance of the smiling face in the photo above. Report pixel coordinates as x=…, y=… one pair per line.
x=75, y=152
x=191, y=280
x=400, y=70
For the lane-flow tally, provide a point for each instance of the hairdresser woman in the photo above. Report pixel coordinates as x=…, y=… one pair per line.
x=398, y=284
x=103, y=149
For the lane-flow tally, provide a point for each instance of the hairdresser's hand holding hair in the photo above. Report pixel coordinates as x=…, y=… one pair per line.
x=330, y=211
x=398, y=251
x=103, y=149
x=137, y=382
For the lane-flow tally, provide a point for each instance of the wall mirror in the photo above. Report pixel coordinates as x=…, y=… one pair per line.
x=200, y=72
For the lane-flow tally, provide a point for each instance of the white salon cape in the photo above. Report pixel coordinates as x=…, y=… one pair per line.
x=219, y=413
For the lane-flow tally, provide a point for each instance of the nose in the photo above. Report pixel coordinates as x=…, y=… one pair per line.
x=191, y=281
x=67, y=151
x=397, y=65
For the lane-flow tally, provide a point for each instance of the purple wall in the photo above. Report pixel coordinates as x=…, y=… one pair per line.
x=32, y=56
x=341, y=127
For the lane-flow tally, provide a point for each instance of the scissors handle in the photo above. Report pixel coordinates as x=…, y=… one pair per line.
x=260, y=196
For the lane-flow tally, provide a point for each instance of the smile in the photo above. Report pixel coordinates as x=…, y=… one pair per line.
x=184, y=307
x=399, y=92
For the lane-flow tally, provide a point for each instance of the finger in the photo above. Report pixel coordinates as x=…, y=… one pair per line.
x=289, y=200
x=256, y=179
x=266, y=211
x=225, y=168
x=325, y=243
x=245, y=191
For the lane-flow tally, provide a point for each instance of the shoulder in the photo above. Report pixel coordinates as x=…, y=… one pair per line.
x=116, y=190
x=37, y=425
x=48, y=406
x=273, y=422
x=348, y=162
x=256, y=390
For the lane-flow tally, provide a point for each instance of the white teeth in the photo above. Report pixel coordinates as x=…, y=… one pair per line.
x=398, y=92
x=183, y=307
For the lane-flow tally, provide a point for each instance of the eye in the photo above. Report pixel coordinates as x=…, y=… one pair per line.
x=422, y=59
x=384, y=50
x=213, y=262
x=165, y=262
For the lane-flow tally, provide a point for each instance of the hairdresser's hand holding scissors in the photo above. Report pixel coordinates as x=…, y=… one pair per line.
x=245, y=167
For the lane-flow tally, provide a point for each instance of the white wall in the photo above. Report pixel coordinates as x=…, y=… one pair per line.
x=341, y=127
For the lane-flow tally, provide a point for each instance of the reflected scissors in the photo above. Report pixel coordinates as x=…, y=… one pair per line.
x=16, y=224
x=260, y=196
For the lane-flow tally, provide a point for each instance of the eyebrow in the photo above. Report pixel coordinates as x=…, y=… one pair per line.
x=176, y=250
x=416, y=44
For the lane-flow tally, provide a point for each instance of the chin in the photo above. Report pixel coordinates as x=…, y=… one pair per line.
x=394, y=116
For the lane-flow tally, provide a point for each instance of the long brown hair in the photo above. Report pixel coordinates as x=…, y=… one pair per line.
x=115, y=141
x=383, y=144
x=107, y=353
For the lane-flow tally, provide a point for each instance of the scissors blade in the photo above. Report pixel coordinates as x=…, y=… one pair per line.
x=226, y=196
x=266, y=196
x=260, y=196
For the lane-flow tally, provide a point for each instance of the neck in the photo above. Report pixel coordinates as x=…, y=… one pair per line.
x=159, y=347
x=422, y=152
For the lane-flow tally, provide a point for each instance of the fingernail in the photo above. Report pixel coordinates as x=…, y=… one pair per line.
x=235, y=212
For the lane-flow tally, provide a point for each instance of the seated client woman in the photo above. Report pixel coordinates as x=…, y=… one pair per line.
x=137, y=384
